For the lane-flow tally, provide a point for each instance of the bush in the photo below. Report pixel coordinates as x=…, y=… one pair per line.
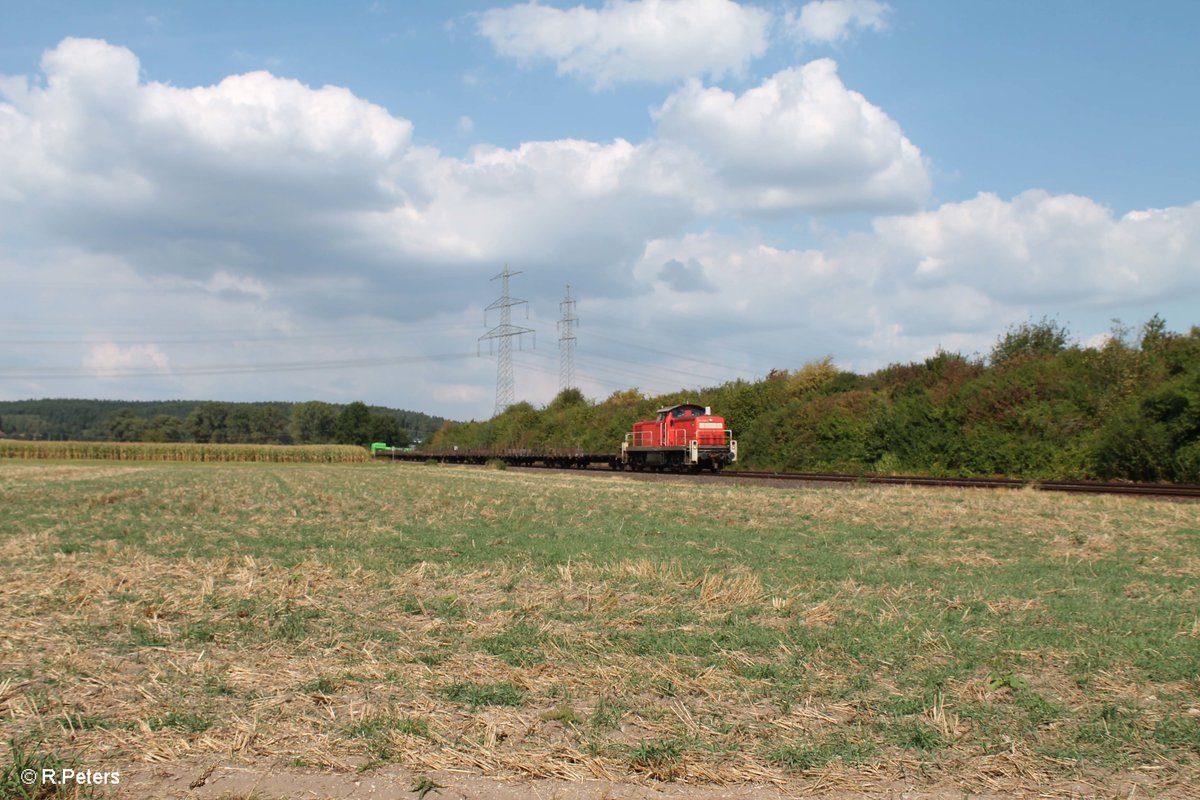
x=1131, y=447
x=1038, y=407
x=813, y=377
x=1045, y=338
x=1187, y=463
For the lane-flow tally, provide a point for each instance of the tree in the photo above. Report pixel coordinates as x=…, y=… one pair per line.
x=164, y=428
x=268, y=425
x=1131, y=446
x=516, y=426
x=811, y=378
x=1044, y=338
x=353, y=424
x=1154, y=334
x=313, y=422
x=125, y=426
x=567, y=398
x=206, y=423
x=238, y=424
x=385, y=428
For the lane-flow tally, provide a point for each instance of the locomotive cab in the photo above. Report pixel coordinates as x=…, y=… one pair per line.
x=681, y=436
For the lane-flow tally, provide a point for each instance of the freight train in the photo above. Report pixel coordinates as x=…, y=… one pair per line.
x=682, y=438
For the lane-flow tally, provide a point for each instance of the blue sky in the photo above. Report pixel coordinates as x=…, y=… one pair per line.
x=252, y=201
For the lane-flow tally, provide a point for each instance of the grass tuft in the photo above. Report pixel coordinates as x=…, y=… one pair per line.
x=658, y=759
x=475, y=695
x=26, y=757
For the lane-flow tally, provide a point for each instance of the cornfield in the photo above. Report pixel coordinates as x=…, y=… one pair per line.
x=152, y=451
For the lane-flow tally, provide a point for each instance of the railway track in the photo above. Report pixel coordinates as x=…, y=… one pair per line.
x=1076, y=487
x=1164, y=490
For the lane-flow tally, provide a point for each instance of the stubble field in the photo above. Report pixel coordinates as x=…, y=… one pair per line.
x=348, y=619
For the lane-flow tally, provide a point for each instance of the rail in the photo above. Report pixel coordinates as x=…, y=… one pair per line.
x=568, y=457
x=1178, y=490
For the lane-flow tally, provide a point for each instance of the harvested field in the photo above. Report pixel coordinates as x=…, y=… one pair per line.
x=359, y=620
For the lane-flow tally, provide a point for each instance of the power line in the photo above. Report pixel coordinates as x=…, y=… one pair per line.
x=608, y=383
x=625, y=375
x=654, y=369
x=678, y=355
x=227, y=336
x=655, y=373
x=54, y=373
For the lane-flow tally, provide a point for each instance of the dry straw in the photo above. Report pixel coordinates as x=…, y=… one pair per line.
x=148, y=652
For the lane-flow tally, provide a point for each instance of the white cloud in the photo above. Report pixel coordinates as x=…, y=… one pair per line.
x=632, y=40
x=109, y=359
x=954, y=277
x=1039, y=248
x=257, y=188
x=224, y=282
x=799, y=141
x=268, y=179
x=261, y=204
x=833, y=21
x=554, y=204
x=460, y=393
x=188, y=180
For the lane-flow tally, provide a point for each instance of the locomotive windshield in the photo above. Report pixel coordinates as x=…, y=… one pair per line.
x=681, y=411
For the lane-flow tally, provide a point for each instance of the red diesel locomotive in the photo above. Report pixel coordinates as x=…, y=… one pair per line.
x=685, y=436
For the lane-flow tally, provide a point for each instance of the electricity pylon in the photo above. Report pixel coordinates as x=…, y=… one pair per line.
x=566, y=343
x=502, y=335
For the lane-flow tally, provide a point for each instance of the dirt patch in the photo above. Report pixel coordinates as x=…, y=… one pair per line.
x=179, y=780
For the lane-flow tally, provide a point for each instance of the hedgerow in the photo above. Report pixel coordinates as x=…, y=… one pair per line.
x=1039, y=406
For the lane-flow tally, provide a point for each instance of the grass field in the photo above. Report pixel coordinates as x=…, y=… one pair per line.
x=347, y=616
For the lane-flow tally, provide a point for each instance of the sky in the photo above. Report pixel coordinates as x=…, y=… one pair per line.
x=296, y=201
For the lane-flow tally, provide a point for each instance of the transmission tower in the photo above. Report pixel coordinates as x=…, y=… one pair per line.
x=502, y=336
x=566, y=343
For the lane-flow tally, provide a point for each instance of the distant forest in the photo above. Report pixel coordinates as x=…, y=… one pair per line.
x=312, y=422
x=1037, y=406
